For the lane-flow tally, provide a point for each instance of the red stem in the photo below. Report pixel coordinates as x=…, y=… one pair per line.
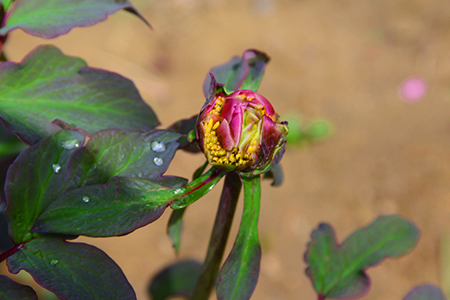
x=10, y=252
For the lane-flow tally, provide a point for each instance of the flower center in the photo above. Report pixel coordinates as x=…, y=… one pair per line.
x=242, y=156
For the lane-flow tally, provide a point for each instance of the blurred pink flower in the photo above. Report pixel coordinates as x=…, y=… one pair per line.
x=413, y=89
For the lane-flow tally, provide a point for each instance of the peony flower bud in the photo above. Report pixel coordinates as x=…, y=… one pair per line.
x=241, y=132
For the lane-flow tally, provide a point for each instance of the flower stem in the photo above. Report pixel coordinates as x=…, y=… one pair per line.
x=219, y=237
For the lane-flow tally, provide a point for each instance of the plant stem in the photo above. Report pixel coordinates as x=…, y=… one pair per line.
x=10, y=252
x=219, y=236
x=239, y=274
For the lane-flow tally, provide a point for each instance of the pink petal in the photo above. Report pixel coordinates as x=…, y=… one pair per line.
x=224, y=135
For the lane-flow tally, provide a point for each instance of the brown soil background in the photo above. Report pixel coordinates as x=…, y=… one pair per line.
x=340, y=60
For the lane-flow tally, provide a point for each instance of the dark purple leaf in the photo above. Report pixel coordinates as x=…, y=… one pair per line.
x=239, y=274
x=56, y=165
x=244, y=73
x=178, y=279
x=425, y=292
x=33, y=181
x=48, y=85
x=276, y=174
x=51, y=18
x=114, y=152
x=72, y=271
x=184, y=127
x=175, y=227
x=11, y=290
x=116, y=208
x=339, y=271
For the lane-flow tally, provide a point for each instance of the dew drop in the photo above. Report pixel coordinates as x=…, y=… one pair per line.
x=56, y=168
x=54, y=262
x=85, y=199
x=70, y=144
x=158, y=146
x=158, y=161
x=178, y=191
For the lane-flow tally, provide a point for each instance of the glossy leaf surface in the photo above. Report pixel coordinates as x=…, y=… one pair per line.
x=196, y=189
x=175, y=225
x=239, y=274
x=11, y=290
x=425, y=292
x=72, y=270
x=119, y=207
x=116, y=208
x=43, y=172
x=9, y=144
x=48, y=85
x=51, y=18
x=338, y=271
x=178, y=279
x=243, y=73
x=32, y=184
x=143, y=154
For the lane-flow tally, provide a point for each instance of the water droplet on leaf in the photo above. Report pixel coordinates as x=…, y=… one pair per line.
x=85, y=199
x=70, y=144
x=158, y=161
x=158, y=146
x=54, y=262
x=56, y=168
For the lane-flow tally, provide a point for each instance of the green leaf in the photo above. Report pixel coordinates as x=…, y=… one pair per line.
x=6, y=3
x=300, y=133
x=48, y=85
x=339, y=271
x=425, y=292
x=178, y=279
x=9, y=144
x=239, y=274
x=184, y=127
x=51, y=18
x=114, y=152
x=196, y=189
x=243, y=73
x=72, y=270
x=32, y=184
x=11, y=290
x=43, y=172
x=175, y=227
x=101, y=210
x=118, y=207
